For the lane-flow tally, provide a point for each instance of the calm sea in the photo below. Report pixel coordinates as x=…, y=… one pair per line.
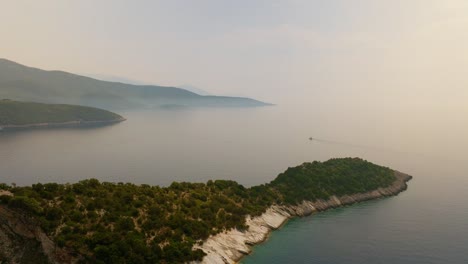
x=426, y=224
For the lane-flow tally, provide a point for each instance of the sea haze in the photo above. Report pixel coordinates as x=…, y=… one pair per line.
x=426, y=224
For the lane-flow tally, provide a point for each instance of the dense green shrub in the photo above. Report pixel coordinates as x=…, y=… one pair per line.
x=127, y=223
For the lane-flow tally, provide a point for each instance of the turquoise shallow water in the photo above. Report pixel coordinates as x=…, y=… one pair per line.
x=401, y=229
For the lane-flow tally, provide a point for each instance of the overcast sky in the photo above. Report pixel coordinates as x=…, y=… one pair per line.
x=271, y=50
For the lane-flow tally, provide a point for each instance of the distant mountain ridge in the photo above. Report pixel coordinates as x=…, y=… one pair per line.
x=19, y=82
x=112, y=78
x=194, y=89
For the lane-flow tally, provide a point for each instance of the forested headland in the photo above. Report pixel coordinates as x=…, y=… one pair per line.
x=15, y=114
x=103, y=222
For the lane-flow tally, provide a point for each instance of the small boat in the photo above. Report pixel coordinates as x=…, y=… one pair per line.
x=311, y=138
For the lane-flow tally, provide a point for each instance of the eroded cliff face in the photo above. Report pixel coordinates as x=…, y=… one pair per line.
x=231, y=246
x=23, y=241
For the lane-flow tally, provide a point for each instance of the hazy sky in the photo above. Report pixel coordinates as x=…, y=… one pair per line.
x=276, y=51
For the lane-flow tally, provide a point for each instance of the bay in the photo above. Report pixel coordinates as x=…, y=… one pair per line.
x=426, y=224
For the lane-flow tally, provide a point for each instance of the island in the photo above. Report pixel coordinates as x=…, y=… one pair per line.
x=214, y=222
x=22, y=115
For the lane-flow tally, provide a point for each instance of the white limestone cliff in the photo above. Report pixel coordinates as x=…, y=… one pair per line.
x=230, y=246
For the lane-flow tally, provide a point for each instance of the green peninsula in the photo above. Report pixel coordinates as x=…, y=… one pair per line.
x=102, y=222
x=15, y=114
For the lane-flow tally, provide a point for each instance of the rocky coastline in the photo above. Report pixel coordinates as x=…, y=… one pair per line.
x=22, y=240
x=74, y=123
x=232, y=245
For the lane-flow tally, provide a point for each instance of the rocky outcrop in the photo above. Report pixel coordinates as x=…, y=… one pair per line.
x=232, y=245
x=23, y=241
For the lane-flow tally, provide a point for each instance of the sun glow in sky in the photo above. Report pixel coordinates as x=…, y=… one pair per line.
x=277, y=51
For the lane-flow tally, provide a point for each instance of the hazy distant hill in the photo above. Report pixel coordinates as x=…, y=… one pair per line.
x=194, y=89
x=111, y=78
x=19, y=82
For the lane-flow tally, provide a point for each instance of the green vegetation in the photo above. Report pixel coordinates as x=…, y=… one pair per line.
x=339, y=177
x=25, y=113
x=126, y=223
